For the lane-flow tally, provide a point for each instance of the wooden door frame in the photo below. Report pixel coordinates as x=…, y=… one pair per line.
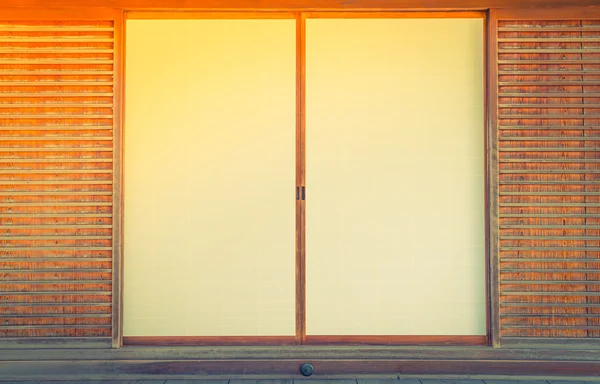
x=300, y=241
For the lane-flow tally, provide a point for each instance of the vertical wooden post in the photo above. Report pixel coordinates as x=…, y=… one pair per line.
x=492, y=178
x=300, y=178
x=117, y=262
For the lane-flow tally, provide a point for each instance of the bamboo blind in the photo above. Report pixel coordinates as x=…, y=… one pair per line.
x=56, y=154
x=549, y=178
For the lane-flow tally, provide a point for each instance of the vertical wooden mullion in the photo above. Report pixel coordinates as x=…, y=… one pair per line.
x=492, y=179
x=486, y=177
x=300, y=178
x=117, y=264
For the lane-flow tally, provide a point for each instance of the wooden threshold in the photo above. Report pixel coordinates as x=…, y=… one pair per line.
x=279, y=368
x=396, y=340
x=207, y=340
x=310, y=340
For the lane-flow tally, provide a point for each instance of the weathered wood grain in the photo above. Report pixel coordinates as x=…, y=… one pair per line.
x=56, y=176
x=547, y=178
x=300, y=260
x=252, y=369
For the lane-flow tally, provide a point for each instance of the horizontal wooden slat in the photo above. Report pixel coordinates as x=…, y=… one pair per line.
x=53, y=259
x=13, y=160
x=555, y=270
x=548, y=73
x=556, y=204
x=24, y=27
x=546, y=261
x=58, y=305
x=544, y=106
x=539, y=326
x=57, y=182
x=538, y=29
x=64, y=83
x=547, y=182
x=548, y=149
x=53, y=50
x=56, y=226
x=548, y=50
x=58, y=316
x=544, y=193
x=544, y=83
x=55, y=72
x=55, y=281
x=55, y=105
x=552, y=94
x=542, y=171
x=57, y=171
x=58, y=39
x=46, y=270
x=547, y=226
x=55, y=193
x=579, y=294
x=52, y=326
x=541, y=138
x=552, y=305
x=42, y=94
x=54, y=116
x=584, y=161
x=546, y=117
x=519, y=39
x=57, y=248
x=547, y=62
x=56, y=138
x=552, y=282
x=60, y=237
x=56, y=149
x=69, y=61
x=566, y=238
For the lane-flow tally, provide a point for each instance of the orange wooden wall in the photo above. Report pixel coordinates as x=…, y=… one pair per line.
x=549, y=178
x=56, y=178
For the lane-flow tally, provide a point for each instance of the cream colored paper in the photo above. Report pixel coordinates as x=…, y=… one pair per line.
x=395, y=177
x=209, y=178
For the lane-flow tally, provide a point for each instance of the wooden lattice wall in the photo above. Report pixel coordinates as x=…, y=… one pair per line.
x=549, y=178
x=56, y=178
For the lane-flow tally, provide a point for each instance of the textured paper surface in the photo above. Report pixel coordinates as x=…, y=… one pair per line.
x=209, y=178
x=395, y=177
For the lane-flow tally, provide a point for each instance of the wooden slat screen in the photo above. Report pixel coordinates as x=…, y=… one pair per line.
x=56, y=176
x=549, y=178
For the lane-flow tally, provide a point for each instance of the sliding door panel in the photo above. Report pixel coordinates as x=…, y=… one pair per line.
x=395, y=177
x=209, y=188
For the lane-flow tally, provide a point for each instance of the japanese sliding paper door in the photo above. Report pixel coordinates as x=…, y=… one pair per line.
x=395, y=177
x=209, y=187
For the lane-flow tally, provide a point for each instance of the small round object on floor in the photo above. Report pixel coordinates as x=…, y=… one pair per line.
x=307, y=369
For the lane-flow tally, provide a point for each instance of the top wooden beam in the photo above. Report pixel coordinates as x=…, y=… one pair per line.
x=254, y=5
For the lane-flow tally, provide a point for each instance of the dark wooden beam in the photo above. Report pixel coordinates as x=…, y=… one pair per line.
x=300, y=4
x=313, y=353
x=162, y=369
